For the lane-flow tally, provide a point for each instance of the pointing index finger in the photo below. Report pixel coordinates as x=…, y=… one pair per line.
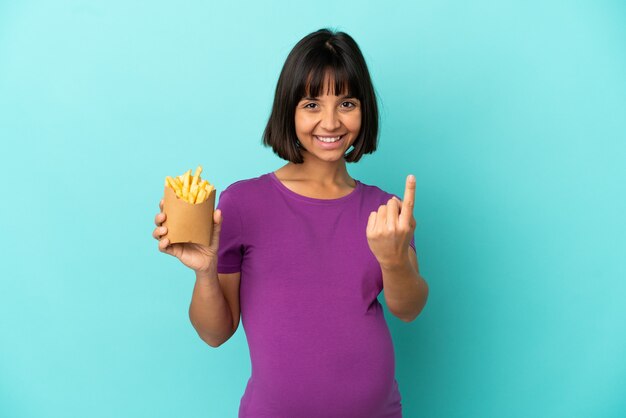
x=409, y=200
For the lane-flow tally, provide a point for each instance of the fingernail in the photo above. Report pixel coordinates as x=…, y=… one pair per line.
x=411, y=177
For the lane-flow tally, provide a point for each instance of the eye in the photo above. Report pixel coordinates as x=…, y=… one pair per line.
x=310, y=105
x=348, y=105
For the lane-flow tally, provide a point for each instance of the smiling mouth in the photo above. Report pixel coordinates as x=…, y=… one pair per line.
x=329, y=139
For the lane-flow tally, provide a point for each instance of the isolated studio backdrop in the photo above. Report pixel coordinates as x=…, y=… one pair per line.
x=511, y=114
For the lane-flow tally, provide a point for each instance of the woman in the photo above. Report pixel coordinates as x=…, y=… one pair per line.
x=305, y=250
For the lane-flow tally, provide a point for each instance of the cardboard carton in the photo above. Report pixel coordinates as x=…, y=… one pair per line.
x=187, y=222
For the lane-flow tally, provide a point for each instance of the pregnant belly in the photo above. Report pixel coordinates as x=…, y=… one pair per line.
x=331, y=371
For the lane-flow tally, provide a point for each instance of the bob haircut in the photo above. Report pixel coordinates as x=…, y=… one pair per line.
x=314, y=57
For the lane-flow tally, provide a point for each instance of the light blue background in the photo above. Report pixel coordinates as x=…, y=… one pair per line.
x=512, y=116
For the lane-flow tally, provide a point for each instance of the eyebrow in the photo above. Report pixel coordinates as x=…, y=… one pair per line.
x=340, y=97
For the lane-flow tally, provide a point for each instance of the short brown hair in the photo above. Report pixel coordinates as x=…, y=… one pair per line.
x=303, y=73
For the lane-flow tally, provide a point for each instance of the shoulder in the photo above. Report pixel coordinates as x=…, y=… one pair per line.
x=375, y=194
x=241, y=185
x=249, y=184
x=246, y=190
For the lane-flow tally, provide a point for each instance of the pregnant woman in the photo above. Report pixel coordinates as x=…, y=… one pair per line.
x=302, y=253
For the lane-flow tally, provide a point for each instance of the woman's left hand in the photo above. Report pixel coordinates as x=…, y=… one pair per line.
x=389, y=231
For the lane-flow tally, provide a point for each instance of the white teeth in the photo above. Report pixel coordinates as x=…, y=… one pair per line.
x=335, y=139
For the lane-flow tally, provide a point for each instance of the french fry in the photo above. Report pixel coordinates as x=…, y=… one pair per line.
x=186, y=183
x=191, y=189
x=170, y=182
x=196, y=191
x=193, y=193
x=201, y=196
x=196, y=176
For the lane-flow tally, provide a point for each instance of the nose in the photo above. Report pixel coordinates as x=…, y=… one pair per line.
x=330, y=120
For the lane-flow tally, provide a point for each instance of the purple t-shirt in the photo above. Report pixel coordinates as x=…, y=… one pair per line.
x=319, y=343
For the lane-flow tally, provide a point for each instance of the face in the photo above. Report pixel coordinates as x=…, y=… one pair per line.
x=328, y=125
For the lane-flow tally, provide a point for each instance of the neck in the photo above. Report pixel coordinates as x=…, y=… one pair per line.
x=322, y=172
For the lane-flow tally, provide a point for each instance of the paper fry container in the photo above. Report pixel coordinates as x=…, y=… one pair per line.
x=187, y=222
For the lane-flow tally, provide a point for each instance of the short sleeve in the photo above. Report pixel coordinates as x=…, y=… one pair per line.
x=230, y=250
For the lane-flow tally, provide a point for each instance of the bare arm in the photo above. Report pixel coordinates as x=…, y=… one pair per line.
x=406, y=291
x=215, y=299
x=389, y=232
x=209, y=311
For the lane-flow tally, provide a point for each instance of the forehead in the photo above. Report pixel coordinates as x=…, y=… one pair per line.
x=328, y=81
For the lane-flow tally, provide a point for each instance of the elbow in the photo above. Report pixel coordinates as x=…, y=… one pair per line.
x=209, y=339
x=404, y=317
x=212, y=342
x=409, y=318
x=418, y=307
x=215, y=340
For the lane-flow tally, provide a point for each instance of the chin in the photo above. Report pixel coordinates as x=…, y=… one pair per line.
x=332, y=159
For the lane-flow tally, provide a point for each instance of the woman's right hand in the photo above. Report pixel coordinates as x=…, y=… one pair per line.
x=199, y=258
